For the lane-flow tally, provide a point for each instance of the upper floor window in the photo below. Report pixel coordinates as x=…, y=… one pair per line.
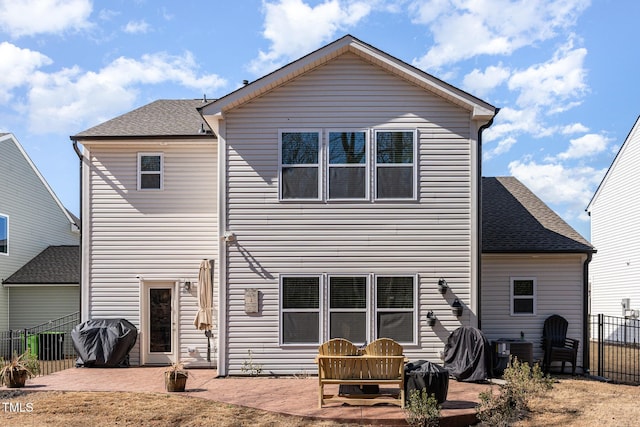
x=150, y=171
x=523, y=296
x=395, y=174
x=4, y=234
x=344, y=165
x=347, y=165
x=300, y=165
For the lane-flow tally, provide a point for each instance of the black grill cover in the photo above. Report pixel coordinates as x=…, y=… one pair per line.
x=104, y=343
x=467, y=355
x=421, y=375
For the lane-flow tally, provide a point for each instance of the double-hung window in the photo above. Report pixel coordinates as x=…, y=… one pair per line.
x=396, y=308
x=150, y=171
x=300, y=310
x=395, y=164
x=348, y=308
x=358, y=307
x=347, y=175
x=300, y=158
x=4, y=234
x=523, y=296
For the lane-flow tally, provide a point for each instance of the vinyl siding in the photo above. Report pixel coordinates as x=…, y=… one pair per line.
x=150, y=236
x=615, y=232
x=430, y=237
x=559, y=291
x=36, y=221
x=34, y=305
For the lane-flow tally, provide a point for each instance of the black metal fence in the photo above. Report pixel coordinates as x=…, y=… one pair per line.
x=615, y=348
x=50, y=342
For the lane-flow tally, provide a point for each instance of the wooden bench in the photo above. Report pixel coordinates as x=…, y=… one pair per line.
x=350, y=367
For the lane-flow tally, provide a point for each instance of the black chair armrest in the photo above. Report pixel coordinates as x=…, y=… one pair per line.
x=571, y=343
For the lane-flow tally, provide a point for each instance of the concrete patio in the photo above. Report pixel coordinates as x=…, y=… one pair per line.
x=287, y=395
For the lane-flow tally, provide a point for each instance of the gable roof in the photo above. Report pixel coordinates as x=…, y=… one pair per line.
x=635, y=129
x=479, y=109
x=176, y=118
x=515, y=220
x=72, y=219
x=56, y=265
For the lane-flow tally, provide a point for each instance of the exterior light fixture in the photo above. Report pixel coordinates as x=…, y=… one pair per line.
x=443, y=286
x=456, y=307
x=431, y=318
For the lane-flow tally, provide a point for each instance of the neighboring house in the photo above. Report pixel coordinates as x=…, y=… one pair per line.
x=45, y=288
x=31, y=217
x=615, y=232
x=331, y=196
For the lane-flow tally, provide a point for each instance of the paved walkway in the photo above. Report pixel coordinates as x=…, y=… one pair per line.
x=293, y=396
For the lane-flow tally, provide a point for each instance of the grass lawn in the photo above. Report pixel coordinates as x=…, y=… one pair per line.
x=572, y=402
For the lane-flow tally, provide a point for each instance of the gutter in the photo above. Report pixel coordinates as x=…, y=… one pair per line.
x=479, y=219
x=81, y=158
x=586, y=343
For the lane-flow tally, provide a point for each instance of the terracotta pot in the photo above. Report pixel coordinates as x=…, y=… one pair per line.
x=17, y=380
x=175, y=381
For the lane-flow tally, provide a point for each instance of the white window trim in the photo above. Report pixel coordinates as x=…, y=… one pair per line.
x=366, y=166
x=375, y=310
x=366, y=309
x=533, y=297
x=318, y=165
x=320, y=310
x=6, y=217
x=141, y=172
x=374, y=157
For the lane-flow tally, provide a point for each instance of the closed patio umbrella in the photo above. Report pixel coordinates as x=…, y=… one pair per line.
x=204, y=319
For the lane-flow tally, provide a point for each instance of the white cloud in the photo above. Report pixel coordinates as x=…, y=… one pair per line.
x=463, y=29
x=574, y=128
x=553, y=84
x=585, y=146
x=556, y=184
x=67, y=100
x=510, y=122
x=480, y=83
x=294, y=28
x=503, y=147
x=30, y=17
x=16, y=67
x=136, y=27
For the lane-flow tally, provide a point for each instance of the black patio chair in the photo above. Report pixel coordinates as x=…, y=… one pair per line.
x=557, y=347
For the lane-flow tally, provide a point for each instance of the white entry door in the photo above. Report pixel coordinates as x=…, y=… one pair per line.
x=160, y=328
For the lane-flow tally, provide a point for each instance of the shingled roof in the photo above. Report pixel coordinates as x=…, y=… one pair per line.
x=164, y=117
x=516, y=220
x=56, y=265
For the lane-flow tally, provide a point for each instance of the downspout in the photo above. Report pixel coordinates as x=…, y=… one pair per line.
x=586, y=343
x=81, y=158
x=479, y=219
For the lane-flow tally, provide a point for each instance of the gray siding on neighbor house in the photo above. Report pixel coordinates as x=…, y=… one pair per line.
x=34, y=305
x=559, y=291
x=431, y=237
x=36, y=219
x=615, y=232
x=150, y=236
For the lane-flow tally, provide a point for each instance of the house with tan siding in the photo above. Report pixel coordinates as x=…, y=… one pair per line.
x=331, y=196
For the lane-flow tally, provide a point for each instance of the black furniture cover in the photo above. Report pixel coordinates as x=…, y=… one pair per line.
x=467, y=355
x=104, y=343
x=421, y=374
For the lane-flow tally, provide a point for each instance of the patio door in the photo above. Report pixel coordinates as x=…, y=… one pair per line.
x=160, y=326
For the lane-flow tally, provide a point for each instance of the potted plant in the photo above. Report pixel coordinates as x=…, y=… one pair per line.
x=15, y=372
x=175, y=377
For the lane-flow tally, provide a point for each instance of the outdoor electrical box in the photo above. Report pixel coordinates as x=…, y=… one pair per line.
x=250, y=301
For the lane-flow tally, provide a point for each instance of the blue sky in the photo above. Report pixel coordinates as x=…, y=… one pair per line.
x=564, y=73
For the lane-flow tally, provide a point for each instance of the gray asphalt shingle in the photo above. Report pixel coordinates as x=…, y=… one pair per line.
x=53, y=266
